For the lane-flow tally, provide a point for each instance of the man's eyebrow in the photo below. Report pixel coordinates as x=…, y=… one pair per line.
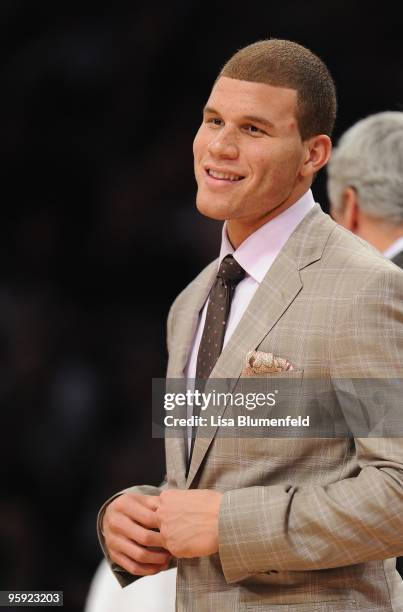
x=258, y=119
x=211, y=110
x=251, y=118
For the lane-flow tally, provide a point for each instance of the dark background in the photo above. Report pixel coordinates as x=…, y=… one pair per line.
x=99, y=233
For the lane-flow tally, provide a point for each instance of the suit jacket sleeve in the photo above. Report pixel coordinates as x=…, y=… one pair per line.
x=356, y=519
x=123, y=577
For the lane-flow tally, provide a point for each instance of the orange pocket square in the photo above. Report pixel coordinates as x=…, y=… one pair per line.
x=259, y=362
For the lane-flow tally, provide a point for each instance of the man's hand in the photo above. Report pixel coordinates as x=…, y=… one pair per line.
x=127, y=526
x=188, y=522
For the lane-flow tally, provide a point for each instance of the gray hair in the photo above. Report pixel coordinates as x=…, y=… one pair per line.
x=369, y=158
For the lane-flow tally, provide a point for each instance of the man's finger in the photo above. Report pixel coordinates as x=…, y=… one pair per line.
x=118, y=523
x=138, y=553
x=135, y=568
x=133, y=531
x=152, y=502
x=132, y=508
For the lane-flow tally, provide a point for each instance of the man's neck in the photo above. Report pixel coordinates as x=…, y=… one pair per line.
x=377, y=231
x=238, y=230
x=382, y=240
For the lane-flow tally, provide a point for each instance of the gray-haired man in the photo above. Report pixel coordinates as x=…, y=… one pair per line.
x=365, y=182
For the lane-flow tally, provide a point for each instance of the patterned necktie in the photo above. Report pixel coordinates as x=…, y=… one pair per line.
x=229, y=275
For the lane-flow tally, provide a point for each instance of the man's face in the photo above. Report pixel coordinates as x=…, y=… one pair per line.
x=248, y=153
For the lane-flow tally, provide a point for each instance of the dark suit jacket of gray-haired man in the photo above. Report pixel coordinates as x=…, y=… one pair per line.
x=398, y=259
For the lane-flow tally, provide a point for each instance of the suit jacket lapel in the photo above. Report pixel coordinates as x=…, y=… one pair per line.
x=278, y=289
x=271, y=299
x=187, y=317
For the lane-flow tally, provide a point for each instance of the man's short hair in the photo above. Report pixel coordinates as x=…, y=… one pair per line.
x=283, y=63
x=369, y=158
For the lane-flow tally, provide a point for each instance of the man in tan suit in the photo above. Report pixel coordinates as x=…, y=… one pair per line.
x=303, y=523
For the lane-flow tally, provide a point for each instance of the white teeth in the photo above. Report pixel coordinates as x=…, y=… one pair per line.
x=224, y=175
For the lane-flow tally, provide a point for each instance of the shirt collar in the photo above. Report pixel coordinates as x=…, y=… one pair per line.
x=393, y=249
x=257, y=253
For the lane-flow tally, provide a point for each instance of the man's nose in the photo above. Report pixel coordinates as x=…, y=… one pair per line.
x=224, y=145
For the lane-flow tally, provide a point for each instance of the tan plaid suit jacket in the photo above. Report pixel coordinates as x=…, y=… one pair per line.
x=305, y=524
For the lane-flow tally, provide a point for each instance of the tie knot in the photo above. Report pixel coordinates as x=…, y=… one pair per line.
x=230, y=270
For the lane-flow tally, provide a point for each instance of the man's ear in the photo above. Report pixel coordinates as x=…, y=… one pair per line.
x=318, y=151
x=348, y=214
x=351, y=209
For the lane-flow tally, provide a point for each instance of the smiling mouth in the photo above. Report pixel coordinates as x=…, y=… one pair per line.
x=224, y=176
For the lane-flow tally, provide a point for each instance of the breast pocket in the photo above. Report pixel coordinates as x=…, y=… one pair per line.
x=276, y=397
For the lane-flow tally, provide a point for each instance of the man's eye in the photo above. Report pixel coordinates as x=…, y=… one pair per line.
x=252, y=129
x=214, y=121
